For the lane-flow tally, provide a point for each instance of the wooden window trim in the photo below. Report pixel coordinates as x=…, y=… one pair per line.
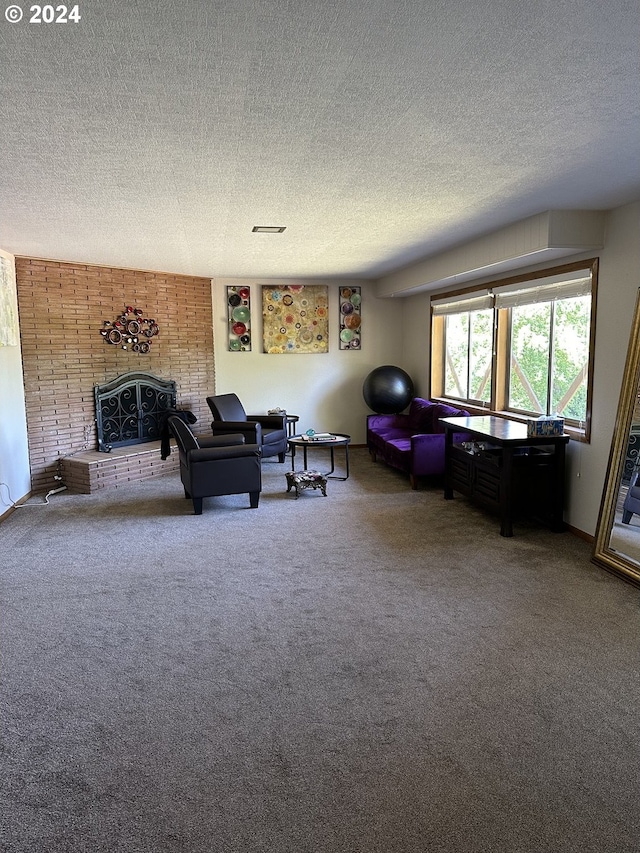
x=501, y=348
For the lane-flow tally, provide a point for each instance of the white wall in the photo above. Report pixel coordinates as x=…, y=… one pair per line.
x=325, y=390
x=619, y=280
x=416, y=340
x=14, y=453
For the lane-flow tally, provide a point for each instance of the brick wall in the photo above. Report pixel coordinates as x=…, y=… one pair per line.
x=62, y=308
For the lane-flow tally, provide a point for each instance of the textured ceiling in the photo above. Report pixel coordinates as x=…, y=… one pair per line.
x=157, y=134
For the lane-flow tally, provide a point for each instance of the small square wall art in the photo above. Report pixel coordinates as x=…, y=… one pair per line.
x=295, y=318
x=239, y=317
x=350, y=301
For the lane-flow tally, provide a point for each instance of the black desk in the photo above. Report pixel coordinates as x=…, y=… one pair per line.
x=502, y=468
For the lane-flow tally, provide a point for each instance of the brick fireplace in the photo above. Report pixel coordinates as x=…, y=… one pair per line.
x=63, y=307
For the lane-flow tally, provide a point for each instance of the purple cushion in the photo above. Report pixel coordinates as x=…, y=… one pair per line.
x=398, y=453
x=444, y=411
x=420, y=418
x=378, y=423
x=391, y=434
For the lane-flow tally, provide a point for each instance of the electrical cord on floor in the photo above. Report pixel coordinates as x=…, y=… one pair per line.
x=11, y=500
x=21, y=506
x=53, y=492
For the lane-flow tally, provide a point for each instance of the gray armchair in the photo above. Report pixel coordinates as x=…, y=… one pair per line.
x=632, y=501
x=269, y=432
x=222, y=465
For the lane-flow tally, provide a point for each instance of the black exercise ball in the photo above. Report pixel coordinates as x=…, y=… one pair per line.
x=388, y=390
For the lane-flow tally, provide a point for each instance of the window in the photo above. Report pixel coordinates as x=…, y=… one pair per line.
x=521, y=346
x=468, y=343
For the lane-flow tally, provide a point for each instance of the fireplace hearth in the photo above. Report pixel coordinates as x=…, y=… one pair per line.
x=131, y=409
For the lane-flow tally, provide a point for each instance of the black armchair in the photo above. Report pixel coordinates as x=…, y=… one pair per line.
x=222, y=465
x=267, y=431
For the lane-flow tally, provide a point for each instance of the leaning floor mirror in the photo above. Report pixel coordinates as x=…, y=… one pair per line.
x=617, y=545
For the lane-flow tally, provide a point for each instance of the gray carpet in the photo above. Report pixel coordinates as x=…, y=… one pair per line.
x=377, y=671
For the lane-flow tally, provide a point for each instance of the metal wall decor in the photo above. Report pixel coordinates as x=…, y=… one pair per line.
x=350, y=300
x=130, y=330
x=239, y=317
x=295, y=318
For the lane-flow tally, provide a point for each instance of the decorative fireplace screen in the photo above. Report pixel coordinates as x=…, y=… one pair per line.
x=131, y=409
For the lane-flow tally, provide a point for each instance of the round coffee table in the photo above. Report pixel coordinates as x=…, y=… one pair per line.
x=337, y=440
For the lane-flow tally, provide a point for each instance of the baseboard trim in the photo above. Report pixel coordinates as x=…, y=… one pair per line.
x=7, y=512
x=581, y=534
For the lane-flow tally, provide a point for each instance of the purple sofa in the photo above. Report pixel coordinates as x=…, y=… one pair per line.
x=412, y=442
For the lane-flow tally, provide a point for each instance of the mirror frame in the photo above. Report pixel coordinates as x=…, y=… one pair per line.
x=603, y=554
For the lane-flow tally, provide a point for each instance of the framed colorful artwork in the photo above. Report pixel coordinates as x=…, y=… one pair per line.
x=9, y=329
x=239, y=318
x=295, y=318
x=350, y=301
